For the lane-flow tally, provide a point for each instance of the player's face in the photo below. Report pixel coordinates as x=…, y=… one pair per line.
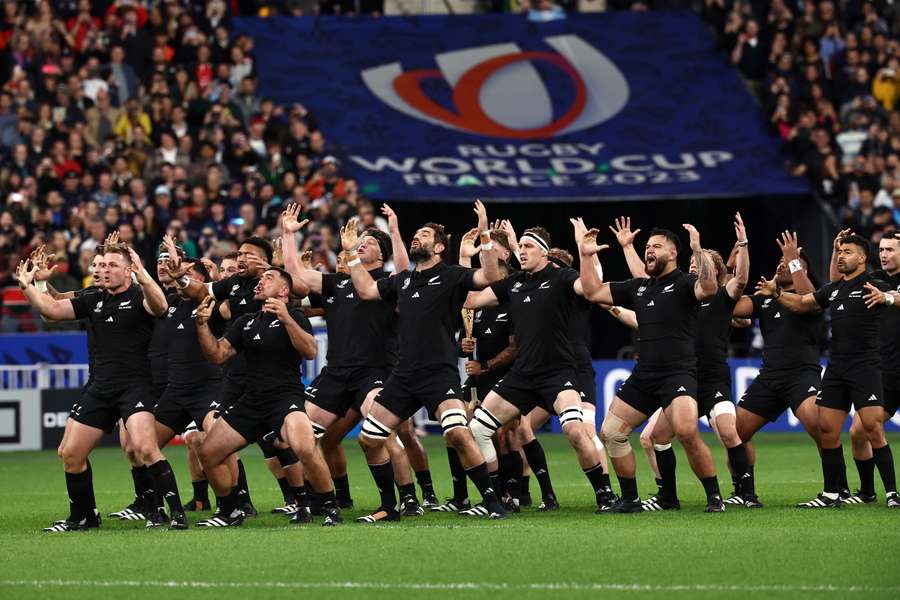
x=422, y=246
x=118, y=270
x=657, y=255
x=246, y=268
x=889, y=254
x=271, y=285
x=368, y=250
x=98, y=270
x=162, y=275
x=850, y=257
x=531, y=256
x=783, y=275
x=228, y=268
x=342, y=260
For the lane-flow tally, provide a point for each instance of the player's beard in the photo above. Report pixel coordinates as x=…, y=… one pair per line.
x=658, y=266
x=421, y=253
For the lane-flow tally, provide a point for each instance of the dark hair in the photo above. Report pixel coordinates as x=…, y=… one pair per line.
x=200, y=268
x=384, y=242
x=539, y=232
x=284, y=275
x=560, y=257
x=500, y=236
x=178, y=249
x=856, y=240
x=118, y=248
x=440, y=236
x=263, y=244
x=669, y=235
x=810, y=274
x=230, y=256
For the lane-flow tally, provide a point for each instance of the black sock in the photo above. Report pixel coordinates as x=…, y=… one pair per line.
x=740, y=464
x=285, y=489
x=629, y=488
x=832, y=466
x=710, y=486
x=884, y=460
x=327, y=499
x=424, y=479
x=79, y=487
x=314, y=499
x=496, y=483
x=458, y=475
x=342, y=487
x=201, y=490
x=524, y=483
x=407, y=489
x=243, y=490
x=534, y=453
x=866, y=469
x=595, y=476
x=844, y=484
x=383, y=475
x=230, y=502
x=666, y=462
x=659, y=483
x=137, y=479
x=511, y=472
x=93, y=499
x=167, y=485
x=301, y=495
x=148, y=502
x=482, y=480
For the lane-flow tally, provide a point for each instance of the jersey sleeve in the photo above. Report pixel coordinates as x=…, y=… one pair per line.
x=83, y=303
x=466, y=278
x=501, y=290
x=328, y=283
x=387, y=287
x=687, y=285
x=823, y=294
x=727, y=300
x=316, y=300
x=568, y=277
x=301, y=320
x=235, y=333
x=623, y=292
x=757, y=303
x=220, y=289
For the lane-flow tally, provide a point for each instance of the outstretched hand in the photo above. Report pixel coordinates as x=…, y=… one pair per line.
x=622, y=230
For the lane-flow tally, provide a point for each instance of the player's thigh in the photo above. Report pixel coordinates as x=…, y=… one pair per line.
x=830, y=421
x=537, y=417
x=82, y=439
x=220, y=442
x=748, y=423
x=661, y=431
x=142, y=432
x=498, y=407
x=318, y=415
x=682, y=415
x=297, y=431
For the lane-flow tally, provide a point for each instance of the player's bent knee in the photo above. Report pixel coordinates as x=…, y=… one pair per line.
x=614, y=433
x=572, y=415
x=453, y=418
x=318, y=430
x=374, y=433
x=662, y=447
x=484, y=425
x=722, y=408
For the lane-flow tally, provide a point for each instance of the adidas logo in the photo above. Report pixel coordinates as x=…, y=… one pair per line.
x=416, y=295
x=450, y=391
x=527, y=299
x=568, y=384
x=488, y=330
x=777, y=315
x=812, y=388
x=651, y=303
x=109, y=320
x=293, y=406
x=180, y=326
x=841, y=307
x=350, y=295
x=139, y=405
x=256, y=337
x=719, y=395
x=681, y=389
x=873, y=398
x=582, y=394
x=244, y=301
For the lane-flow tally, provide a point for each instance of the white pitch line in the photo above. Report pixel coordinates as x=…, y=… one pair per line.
x=472, y=585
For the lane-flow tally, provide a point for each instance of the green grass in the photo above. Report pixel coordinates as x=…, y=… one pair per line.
x=775, y=552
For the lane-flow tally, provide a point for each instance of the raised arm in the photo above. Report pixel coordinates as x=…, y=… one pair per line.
x=215, y=350
x=50, y=309
x=489, y=271
x=589, y=283
x=833, y=273
x=304, y=282
x=398, y=248
x=735, y=286
x=875, y=297
x=302, y=341
x=791, y=252
x=191, y=288
x=154, y=298
x=625, y=316
x=366, y=287
x=797, y=303
x=706, y=285
x=468, y=248
x=485, y=297
x=625, y=237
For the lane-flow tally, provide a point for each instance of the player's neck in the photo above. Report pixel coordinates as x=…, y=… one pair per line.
x=893, y=273
x=859, y=271
x=427, y=264
x=119, y=290
x=669, y=268
x=375, y=264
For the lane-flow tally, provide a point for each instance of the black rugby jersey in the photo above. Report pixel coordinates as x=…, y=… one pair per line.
x=713, y=333
x=890, y=333
x=186, y=363
x=791, y=340
x=854, y=328
x=240, y=293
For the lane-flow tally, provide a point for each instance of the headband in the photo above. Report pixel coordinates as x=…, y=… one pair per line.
x=537, y=240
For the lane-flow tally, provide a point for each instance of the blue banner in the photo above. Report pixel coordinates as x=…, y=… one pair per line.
x=593, y=107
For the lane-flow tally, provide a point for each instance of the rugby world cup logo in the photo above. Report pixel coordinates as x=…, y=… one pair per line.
x=498, y=92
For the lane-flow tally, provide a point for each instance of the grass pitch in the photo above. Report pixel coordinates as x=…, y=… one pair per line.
x=779, y=551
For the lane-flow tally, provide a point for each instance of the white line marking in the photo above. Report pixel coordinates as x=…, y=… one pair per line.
x=472, y=585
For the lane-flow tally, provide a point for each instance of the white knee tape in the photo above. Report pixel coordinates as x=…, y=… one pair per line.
x=597, y=442
x=453, y=418
x=662, y=447
x=572, y=414
x=614, y=434
x=722, y=408
x=483, y=434
x=375, y=429
x=589, y=413
x=318, y=430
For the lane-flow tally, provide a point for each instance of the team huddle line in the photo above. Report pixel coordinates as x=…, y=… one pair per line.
x=215, y=352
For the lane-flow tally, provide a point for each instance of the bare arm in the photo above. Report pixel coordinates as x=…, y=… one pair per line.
x=50, y=309
x=489, y=271
x=303, y=283
x=799, y=303
x=625, y=237
x=833, y=273
x=589, y=283
x=625, y=316
x=398, y=248
x=485, y=297
x=154, y=298
x=505, y=357
x=366, y=287
x=790, y=250
x=303, y=342
x=743, y=309
x=706, y=285
x=214, y=350
x=735, y=286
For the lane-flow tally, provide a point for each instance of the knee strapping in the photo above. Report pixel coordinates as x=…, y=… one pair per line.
x=453, y=418
x=286, y=457
x=374, y=429
x=572, y=414
x=318, y=430
x=484, y=425
x=614, y=434
x=722, y=408
x=662, y=447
